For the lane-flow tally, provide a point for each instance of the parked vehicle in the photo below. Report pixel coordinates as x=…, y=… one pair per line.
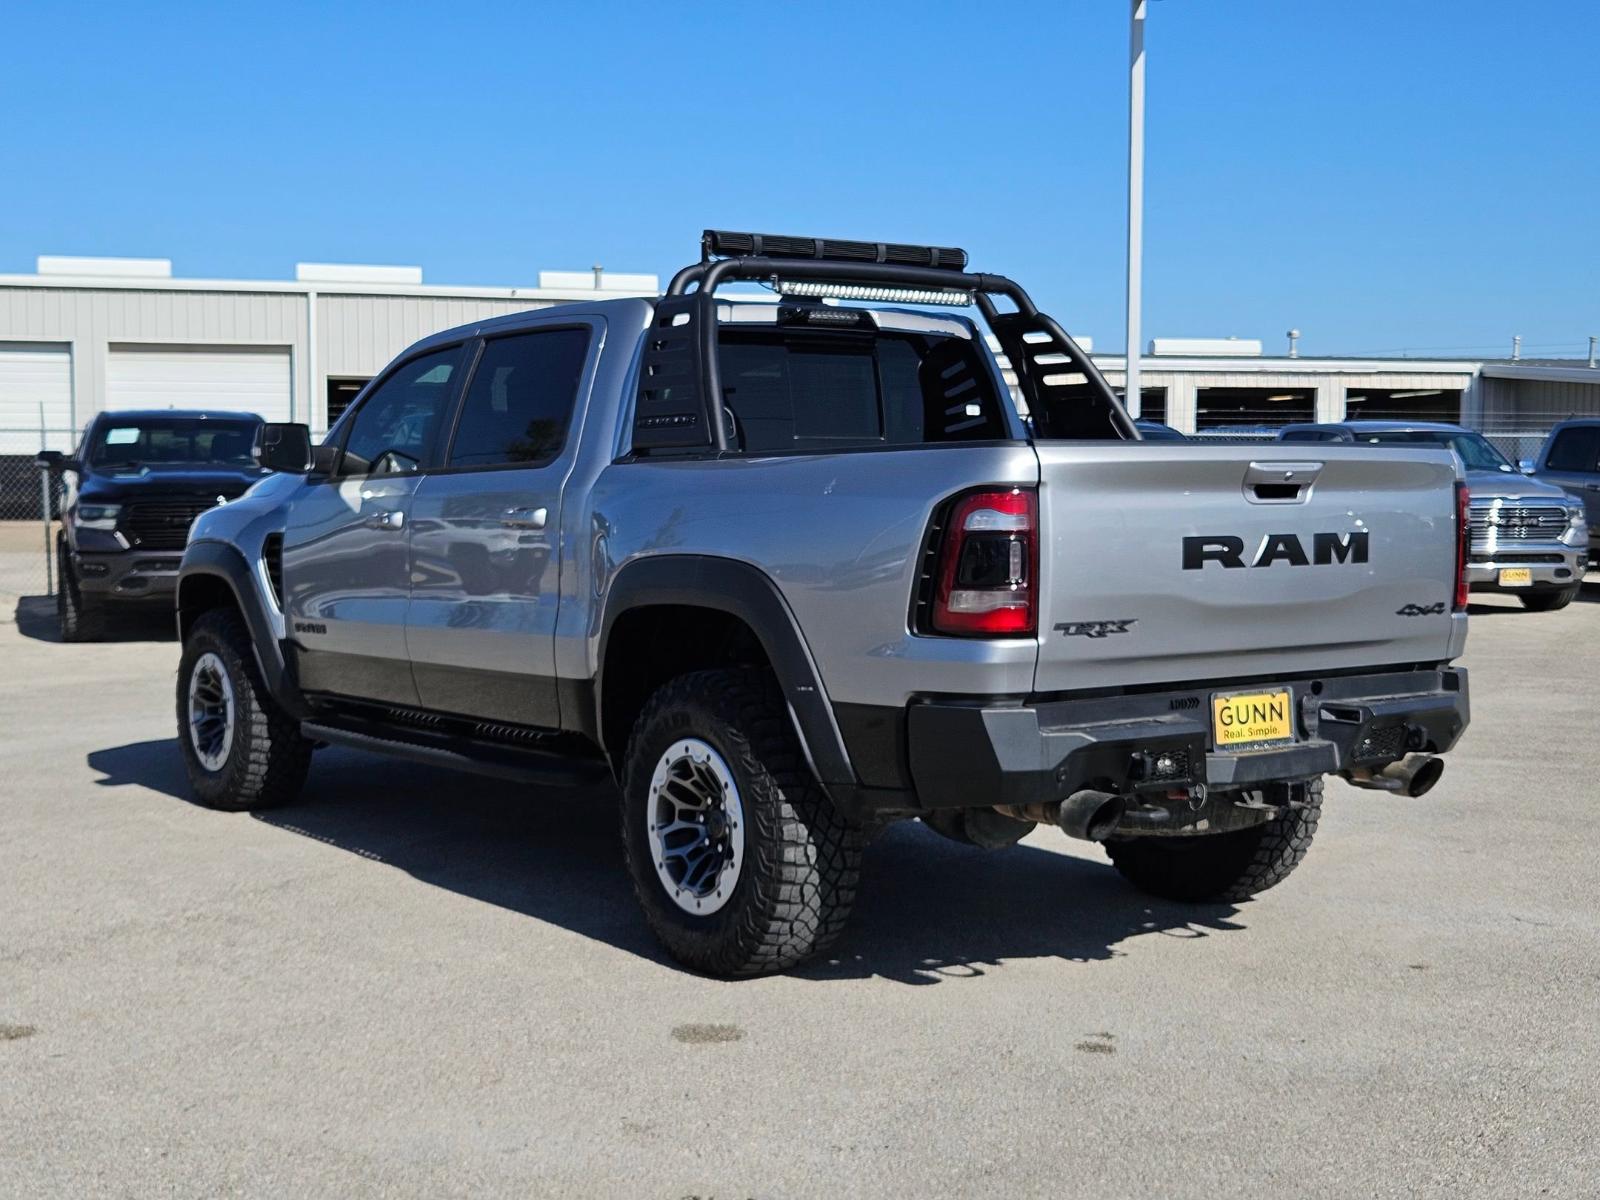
x=1158, y=431
x=1529, y=538
x=1236, y=433
x=789, y=571
x=134, y=486
x=1570, y=459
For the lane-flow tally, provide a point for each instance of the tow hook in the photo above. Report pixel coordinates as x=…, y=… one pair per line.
x=1414, y=775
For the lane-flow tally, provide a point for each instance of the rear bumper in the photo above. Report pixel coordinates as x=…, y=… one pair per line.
x=135, y=576
x=970, y=753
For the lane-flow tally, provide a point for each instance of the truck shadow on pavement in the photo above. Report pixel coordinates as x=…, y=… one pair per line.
x=929, y=910
x=36, y=618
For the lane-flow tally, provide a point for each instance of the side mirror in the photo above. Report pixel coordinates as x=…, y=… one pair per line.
x=1525, y=465
x=56, y=462
x=283, y=447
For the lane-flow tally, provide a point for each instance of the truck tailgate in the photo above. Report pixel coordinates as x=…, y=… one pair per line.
x=1166, y=562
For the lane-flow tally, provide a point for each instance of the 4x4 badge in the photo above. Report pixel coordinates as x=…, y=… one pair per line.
x=1418, y=610
x=1094, y=629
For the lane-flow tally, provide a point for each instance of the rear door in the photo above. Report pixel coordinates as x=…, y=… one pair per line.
x=1162, y=564
x=485, y=540
x=1573, y=462
x=346, y=560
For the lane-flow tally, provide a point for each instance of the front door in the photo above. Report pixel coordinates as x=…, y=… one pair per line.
x=485, y=535
x=346, y=558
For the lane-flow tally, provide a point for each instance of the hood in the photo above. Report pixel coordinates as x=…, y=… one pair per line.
x=1506, y=485
x=168, y=479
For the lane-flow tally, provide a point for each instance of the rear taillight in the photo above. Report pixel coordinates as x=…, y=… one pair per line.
x=1463, y=526
x=989, y=566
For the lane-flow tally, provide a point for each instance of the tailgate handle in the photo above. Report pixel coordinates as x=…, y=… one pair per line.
x=1280, y=482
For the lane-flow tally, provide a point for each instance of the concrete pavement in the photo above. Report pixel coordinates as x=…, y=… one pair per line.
x=416, y=983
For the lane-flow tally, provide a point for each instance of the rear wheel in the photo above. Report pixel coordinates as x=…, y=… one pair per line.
x=242, y=751
x=1222, y=866
x=1549, y=601
x=741, y=863
x=82, y=619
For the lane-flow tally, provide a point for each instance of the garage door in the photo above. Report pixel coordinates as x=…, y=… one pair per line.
x=34, y=374
x=234, y=378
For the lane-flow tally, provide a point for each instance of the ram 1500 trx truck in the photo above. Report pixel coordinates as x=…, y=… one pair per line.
x=790, y=570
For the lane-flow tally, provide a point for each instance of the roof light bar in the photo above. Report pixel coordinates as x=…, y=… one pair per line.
x=723, y=243
x=855, y=291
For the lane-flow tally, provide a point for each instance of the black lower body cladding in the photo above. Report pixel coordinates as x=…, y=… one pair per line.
x=964, y=751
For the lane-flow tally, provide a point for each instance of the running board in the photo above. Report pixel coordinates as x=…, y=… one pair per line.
x=464, y=754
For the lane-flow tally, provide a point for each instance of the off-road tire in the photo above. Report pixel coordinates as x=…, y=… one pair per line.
x=268, y=760
x=1222, y=866
x=82, y=620
x=1549, y=600
x=802, y=860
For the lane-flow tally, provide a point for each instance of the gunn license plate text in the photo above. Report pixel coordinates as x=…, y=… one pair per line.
x=1256, y=717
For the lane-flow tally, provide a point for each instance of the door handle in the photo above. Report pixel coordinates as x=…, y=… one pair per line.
x=392, y=519
x=524, y=518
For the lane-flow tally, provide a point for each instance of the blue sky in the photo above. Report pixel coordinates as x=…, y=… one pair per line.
x=1383, y=175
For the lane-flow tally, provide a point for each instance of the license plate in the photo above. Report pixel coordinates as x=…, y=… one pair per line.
x=1516, y=576
x=1251, y=718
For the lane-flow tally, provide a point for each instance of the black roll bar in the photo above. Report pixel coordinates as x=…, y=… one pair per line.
x=1010, y=328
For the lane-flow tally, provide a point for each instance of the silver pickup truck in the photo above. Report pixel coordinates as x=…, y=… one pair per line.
x=1529, y=538
x=788, y=568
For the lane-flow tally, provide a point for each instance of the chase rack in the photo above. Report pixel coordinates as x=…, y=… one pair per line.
x=679, y=405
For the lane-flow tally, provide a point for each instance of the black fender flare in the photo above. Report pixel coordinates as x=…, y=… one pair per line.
x=744, y=591
x=222, y=561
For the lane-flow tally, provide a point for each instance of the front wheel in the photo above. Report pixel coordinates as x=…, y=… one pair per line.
x=740, y=862
x=82, y=619
x=1222, y=866
x=242, y=751
x=1549, y=601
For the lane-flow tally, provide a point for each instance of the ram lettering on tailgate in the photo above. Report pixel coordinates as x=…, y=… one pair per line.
x=1228, y=550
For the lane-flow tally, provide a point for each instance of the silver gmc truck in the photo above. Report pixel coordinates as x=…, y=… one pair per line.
x=790, y=568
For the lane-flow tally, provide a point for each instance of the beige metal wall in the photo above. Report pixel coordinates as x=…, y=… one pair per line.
x=1528, y=405
x=90, y=319
x=357, y=335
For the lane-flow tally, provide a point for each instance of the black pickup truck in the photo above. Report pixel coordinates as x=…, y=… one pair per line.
x=135, y=485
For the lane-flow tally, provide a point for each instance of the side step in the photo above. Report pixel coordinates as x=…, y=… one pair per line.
x=464, y=754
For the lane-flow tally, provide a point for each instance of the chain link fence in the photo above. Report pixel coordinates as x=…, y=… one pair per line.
x=30, y=513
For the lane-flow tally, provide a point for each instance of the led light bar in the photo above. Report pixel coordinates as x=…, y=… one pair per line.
x=856, y=291
x=726, y=243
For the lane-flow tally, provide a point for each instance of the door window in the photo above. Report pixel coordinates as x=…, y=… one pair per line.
x=1575, y=449
x=521, y=399
x=395, y=427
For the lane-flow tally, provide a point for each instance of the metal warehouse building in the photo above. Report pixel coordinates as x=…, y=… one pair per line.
x=84, y=335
